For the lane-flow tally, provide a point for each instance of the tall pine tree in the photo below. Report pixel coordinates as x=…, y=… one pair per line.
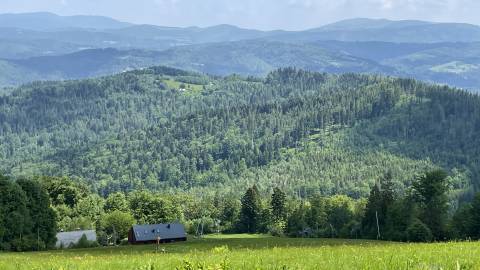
x=250, y=211
x=43, y=217
x=381, y=198
x=432, y=191
x=369, y=221
x=278, y=205
x=475, y=217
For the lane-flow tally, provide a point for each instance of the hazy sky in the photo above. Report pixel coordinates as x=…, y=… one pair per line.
x=261, y=14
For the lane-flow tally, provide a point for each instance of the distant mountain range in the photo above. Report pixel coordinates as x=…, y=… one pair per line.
x=44, y=46
x=45, y=21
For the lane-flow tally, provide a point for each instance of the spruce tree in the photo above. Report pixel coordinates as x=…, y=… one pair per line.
x=250, y=211
x=17, y=223
x=369, y=221
x=432, y=191
x=475, y=217
x=43, y=217
x=278, y=205
x=381, y=198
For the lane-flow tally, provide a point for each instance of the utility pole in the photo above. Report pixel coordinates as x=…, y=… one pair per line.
x=378, y=226
x=114, y=236
x=158, y=244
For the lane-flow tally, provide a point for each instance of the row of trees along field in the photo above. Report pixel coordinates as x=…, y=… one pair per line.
x=334, y=133
x=32, y=210
x=27, y=221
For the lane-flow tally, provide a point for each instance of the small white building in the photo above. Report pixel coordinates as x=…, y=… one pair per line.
x=66, y=239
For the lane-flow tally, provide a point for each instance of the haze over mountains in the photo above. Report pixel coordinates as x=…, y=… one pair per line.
x=44, y=46
x=156, y=127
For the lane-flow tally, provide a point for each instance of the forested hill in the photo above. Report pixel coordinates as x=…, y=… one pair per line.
x=163, y=128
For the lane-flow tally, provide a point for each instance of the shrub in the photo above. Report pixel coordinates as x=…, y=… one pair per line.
x=277, y=228
x=102, y=238
x=419, y=232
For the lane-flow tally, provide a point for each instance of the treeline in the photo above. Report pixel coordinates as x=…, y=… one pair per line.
x=32, y=211
x=27, y=222
x=421, y=214
x=135, y=131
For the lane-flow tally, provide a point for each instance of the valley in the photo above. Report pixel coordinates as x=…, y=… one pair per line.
x=350, y=144
x=443, y=53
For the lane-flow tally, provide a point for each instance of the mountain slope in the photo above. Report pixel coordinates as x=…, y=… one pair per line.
x=82, y=64
x=163, y=128
x=442, y=53
x=364, y=23
x=246, y=58
x=391, y=31
x=96, y=32
x=455, y=64
x=256, y=57
x=44, y=21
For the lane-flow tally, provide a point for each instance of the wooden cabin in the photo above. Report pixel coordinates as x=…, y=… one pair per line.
x=164, y=233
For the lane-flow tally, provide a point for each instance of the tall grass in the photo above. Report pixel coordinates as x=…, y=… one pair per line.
x=256, y=252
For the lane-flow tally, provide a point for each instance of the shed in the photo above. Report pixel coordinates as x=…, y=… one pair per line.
x=170, y=232
x=66, y=239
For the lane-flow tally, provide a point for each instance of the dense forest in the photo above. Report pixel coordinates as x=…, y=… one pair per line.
x=314, y=155
x=306, y=132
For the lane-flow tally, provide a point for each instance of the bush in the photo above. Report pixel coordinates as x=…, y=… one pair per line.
x=277, y=228
x=124, y=242
x=419, y=232
x=102, y=238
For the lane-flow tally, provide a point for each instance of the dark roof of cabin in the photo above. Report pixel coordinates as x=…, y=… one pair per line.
x=165, y=231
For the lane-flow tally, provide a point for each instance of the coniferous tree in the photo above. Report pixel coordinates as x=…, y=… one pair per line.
x=475, y=217
x=250, y=211
x=388, y=193
x=297, y=224
x=432, y=190
x=460, y=226
x=278, y=205
x=17, y=232
x=373, y=208
x=43, y=217
x=381, y=198
x=400, y=215
x=3, y=211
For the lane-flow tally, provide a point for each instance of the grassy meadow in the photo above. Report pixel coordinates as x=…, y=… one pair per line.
x=255, y=252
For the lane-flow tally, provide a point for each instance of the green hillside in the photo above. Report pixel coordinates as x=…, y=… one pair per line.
x=454, y=64
x=259, y=57
x=307, y=132
x=44, y=46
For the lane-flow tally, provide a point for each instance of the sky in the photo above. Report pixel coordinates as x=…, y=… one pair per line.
x=258, y=14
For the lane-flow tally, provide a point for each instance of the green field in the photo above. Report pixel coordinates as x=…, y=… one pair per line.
x=256, y=252
x=189, y=87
